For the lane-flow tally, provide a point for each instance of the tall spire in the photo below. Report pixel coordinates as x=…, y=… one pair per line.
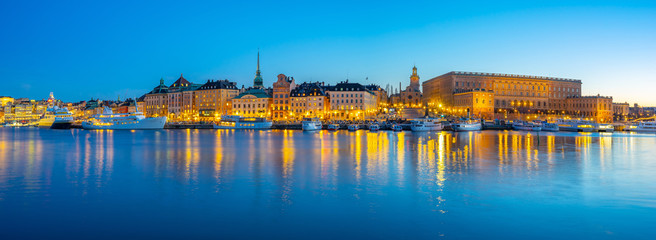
x=258, y=82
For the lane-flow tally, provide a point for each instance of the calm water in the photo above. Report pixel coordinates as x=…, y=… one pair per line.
x=325, y=185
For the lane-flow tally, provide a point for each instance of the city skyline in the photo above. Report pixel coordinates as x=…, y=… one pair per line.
x=117, y=52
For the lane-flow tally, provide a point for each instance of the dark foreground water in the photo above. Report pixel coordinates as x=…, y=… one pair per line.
x=78, y=184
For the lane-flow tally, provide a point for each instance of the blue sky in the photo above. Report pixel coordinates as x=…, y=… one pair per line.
x=85, y=49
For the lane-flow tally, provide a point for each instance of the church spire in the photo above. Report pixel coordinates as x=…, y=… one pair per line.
x=258, y=82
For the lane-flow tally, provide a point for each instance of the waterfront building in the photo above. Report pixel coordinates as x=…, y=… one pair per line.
x=213, y=99
x=181, y=100
x=281, y=100
x=477, y=103
x=351, y=101
x=382, y=98
x=4, y=100
x=621, y=111
x=521, y=94
x=595, y=108
x=309, y=100
x=127, y=106
x=156, y=101
x=411, y=97
x=254, y=102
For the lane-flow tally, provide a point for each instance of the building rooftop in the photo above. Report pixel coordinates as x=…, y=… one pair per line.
x=257, y=92
x=459, y=73
x=218, y=84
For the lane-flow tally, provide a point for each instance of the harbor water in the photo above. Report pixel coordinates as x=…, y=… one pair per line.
x=204, y=183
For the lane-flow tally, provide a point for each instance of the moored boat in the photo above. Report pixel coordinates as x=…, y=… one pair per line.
x=467, y=125
x=525, y=126
x=238, y=122
x=397, y=128
x=644, y=127
x=550, y=127
x=333, y=127
x=575, y=125
x=426, y=124
x=56, y=118
x=374, y=127
x=311, y=124
x=353, y=127
x=123, y=121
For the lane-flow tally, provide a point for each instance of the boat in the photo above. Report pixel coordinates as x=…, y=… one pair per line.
x=238, y=122
x=550, y=127
x=645, y=127
x=426, y=124
x=56, y=118
x=575, y=125
x=311, y=124
x=123, y=121
x=604, y=127
x=333, y=127
x=520, y=125
x=467, y=125
x=374, y=127
x=397, y=128
x=353, y=127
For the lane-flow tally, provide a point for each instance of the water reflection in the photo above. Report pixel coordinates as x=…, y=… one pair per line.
x=283, y=171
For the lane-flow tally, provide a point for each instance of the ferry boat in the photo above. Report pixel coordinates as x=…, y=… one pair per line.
x=353, y=127
x=467, y=125
x=311, y=124
x=238, y=122
x=56, y=118
x=123, y=121
x=333, y=127
x=397, y=128
x=576, y=125
x=427, y=124
x=648, y=127
x=374, y=127
x=525, y=126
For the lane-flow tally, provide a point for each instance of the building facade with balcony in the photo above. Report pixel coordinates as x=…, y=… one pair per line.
x=309, y=100
x=280, y=106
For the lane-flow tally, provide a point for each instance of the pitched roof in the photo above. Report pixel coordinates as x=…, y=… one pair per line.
x=218, y=84
x=308, y=89
x=181, y=82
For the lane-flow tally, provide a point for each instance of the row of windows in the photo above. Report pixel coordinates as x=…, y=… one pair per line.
x=335, y=101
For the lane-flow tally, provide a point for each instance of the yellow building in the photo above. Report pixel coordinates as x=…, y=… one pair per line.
x=351, y=101
x=213, y=99
x=621, y=111
x=254, y=102
x=156, y=101
x=512, y=93
x=477, y=103
x=309, y=100
x=595, y=108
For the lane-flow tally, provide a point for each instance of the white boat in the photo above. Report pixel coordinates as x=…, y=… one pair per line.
x=238, y=122
x=311, y=124
x=56, y=118
x=605, y=127
x=525, y=126
x=353, y=127
x=374, y=127
x=648, y=127
x=333, y=127
x=123, y=121
x=397, y=128
x=575, y=125
x=550, y=127
x=467, y=125
x=426, y=124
